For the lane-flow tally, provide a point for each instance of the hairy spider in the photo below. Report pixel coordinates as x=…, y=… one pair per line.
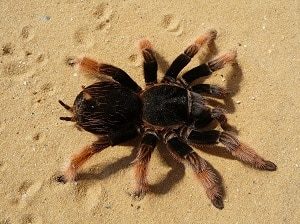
x=173, y=110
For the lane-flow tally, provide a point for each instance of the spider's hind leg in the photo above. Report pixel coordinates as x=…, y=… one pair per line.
x=203, y=170
x=232, y=144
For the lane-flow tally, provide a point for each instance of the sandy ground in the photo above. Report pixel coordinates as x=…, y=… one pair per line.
x=37, y=37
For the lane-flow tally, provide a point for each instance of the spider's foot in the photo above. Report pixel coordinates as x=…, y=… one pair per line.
x=269, y=166
x=61, y=179
x=218, y=202
x=140, y=193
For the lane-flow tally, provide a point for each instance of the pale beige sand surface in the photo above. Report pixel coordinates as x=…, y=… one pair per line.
x=36, y=38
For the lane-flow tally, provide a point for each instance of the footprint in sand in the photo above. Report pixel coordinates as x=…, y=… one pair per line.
x=84, y=37
x=135, y=60
x=95, y=197
x=27, y=33
x=7, y=49
x=30, y=218
x=14, y=68
x=28, y=191
x=103, y=13
x=172, y=24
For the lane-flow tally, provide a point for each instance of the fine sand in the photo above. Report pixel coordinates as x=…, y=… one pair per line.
x=38, y=37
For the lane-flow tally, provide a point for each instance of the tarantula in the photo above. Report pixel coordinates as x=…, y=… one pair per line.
x=173, y=110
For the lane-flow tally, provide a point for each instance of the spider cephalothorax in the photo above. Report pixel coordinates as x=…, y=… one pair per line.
x=174, y=111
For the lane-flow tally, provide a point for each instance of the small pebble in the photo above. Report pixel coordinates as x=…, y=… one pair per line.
x=238, y=102
x=253, y=98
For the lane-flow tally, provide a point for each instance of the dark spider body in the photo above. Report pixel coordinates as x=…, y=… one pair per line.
x=165, y=105
x=174, y=111
x=103, y=108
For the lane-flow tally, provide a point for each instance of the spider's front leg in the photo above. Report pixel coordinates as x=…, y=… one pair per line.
x=117, y=74
x=203, y=170
x=183, y=59
x=150, y=63
x=141, y=162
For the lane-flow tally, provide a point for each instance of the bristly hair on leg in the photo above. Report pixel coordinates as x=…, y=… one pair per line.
x=145, y=44
x=245, y=153
x=141, y=169
x=78, y=159
x=209, y=179
x=88, y=65
x=221, y=61
x=209, y=36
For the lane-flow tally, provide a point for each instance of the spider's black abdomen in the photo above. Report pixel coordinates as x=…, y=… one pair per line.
x=165, y=105
x=106, y=108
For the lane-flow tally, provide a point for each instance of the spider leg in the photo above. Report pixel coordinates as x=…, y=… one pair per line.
x=117, y=74
x=203, y=114
x=203, y=170
x=78, y=159
x=210, y=90
x=141, y=162
x=233, y=145
x=207, y=68
x=114, y=138
x=183, y=59
x=150, y=63
x=219, y=115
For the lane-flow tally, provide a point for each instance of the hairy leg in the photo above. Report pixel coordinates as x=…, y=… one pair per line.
x=203, y=170
x=117, y=74
x=207, y=68
x=141, y=162
x=232, y=144
x=245, y=153
x=78, y=159
x=210, y=90
x=150, y=63
x=183, y=59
